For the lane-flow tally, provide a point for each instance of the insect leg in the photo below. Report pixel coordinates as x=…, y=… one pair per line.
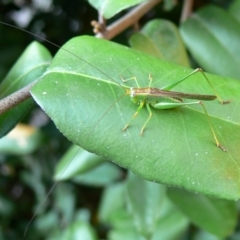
x=149, y=117
x=211, y=126
x=150, y=79
x=135, y=114
x=129, y=79
x=136, y=81
x=168, y=105
x=170, y=86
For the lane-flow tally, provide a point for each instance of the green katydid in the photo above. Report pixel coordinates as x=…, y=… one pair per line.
x=165, y=99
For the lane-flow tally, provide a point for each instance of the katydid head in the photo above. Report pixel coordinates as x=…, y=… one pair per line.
x=132, y=93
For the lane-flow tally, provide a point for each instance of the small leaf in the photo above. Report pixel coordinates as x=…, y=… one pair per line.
x=161, y=38
x=155, y=217
x=214, y=215
x=112, y=203
x=28, y=68
x=212, y=36
x=143, y=43
x=125, y=232
x=147, y=208
x=109, y=8
x=169, y=4
x=202, y=235
x=101, y=175
x=75, y=162
x=79, y=230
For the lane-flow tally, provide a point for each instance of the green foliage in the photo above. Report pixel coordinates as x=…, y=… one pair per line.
x=161, y=38
x=110, y=8
x=81, y=91
x=72, y=103
x=29, y=67
x=214, y=42
x=217, y=216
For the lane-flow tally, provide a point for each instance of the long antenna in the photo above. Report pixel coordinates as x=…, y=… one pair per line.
x=99, y=120
x=59, y=47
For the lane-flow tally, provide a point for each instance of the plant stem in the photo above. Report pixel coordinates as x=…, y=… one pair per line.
x=128, y=20
x=15, y=98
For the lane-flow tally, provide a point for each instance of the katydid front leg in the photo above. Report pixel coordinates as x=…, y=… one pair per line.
x=142, y=103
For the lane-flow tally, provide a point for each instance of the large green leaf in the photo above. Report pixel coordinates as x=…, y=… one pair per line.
x=212, y=36
x=177, y=147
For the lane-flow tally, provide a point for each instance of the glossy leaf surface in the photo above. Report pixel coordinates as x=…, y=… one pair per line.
x=87, y=104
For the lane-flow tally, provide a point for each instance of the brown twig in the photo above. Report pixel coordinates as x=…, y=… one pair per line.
x=15, y=98
x=128, y=20
x=186, y=10
x=98, y=27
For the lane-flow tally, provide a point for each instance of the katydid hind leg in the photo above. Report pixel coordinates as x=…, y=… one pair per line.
x=169, y=105
x=213, y=88
x=172, y=85
x=212, y=129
